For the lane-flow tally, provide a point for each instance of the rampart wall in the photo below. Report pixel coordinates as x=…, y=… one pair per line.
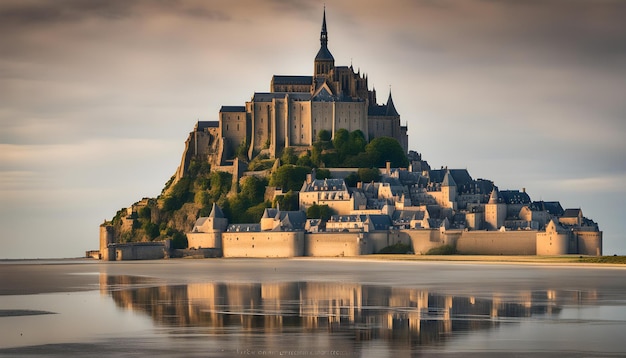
x=204, y=240
x=589, y=242
x=140, y=251
x=332, y=244
x=522, y=242
x=263, y=244
x=553, y=243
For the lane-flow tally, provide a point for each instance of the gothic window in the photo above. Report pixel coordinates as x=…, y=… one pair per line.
x=227, y=127
x=237, y=127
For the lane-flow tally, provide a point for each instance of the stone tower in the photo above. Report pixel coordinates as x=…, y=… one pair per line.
x=448, y=190
x=495, y=211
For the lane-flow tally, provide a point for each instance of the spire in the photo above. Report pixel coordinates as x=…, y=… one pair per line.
x=324, y=33
x=216, y=212
x=448, y=180
x=493, y=198
x=324, y=61
x=391, y=109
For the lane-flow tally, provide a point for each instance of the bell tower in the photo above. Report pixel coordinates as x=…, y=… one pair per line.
x=324, y=61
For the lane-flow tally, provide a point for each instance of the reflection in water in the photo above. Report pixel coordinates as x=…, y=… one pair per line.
x=325, y=315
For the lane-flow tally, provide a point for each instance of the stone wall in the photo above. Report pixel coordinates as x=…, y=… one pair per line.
x=140, y=251
x=521, y=242
x=553, y=243
x=204, y=240
x=334, y=244
x=589, y=242
x=263, y=244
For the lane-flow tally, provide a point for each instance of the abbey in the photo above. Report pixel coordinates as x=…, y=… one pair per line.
x=298, y=108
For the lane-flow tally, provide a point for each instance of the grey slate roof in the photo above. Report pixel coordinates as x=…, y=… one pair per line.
x=202, y=125
x=233, y=109
x=461, y=176
x=552, y=207
x=448, y=180
x=514, y=197
x=244, y=227
x=269, y=96
x=292, y=220
x=216, y=212
x=571, y=213
x=292, y=80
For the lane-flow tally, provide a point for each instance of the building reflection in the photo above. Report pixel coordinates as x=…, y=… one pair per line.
x=401, y=316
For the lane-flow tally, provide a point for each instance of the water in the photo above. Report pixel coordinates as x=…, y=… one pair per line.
x=308, y=307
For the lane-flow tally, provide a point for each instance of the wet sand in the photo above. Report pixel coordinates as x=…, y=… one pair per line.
x=24, y=277
x=74, y=299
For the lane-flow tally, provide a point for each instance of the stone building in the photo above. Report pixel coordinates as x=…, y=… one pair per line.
x=296, y=109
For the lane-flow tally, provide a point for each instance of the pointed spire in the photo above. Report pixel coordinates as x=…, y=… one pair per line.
x=493, y=198
x=448, y=180
x=324, y=61
x=324, y=21
x=216, y=212
x=391, y=109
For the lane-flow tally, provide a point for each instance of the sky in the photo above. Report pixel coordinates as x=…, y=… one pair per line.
x=97, y=97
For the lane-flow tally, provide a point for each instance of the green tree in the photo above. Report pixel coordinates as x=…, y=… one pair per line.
x=288, y=156
x=253, y=189
x=341, y=141
x=322, y=174
x=367, y=175
x=305, y=161
x=356, y=142
x=315, y=211
x=351, y=179
x=151, y=229
x=324, y=135
x=220, y=184
x=289, y=177
x=383, y=149
x=287, y=202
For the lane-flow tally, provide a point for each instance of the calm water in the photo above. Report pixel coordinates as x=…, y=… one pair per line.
x=222, y=308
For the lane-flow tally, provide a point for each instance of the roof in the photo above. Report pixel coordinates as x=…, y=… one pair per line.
x=291, y=220
x=243, y=227
x=324, y=54
x=552, y=207
x=216, y=212
x=391, y=109
x=448, y=180
x=461, y=176
x=377, y=110
x=514, y=197
x=292, y=80
x=269, y=96
x=494, y=197
x=380, y=222
x=326, y=185
x=233, y=109
x=202, y=125
x=572, y=213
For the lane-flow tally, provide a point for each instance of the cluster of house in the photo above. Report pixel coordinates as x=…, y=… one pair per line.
x=424, y=209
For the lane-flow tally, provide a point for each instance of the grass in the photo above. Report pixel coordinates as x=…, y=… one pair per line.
x=603, y=259
x=566, y=259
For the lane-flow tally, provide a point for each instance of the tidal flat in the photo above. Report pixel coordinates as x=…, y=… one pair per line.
x=361, y=307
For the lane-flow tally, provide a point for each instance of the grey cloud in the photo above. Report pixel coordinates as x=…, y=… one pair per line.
x=43, y=13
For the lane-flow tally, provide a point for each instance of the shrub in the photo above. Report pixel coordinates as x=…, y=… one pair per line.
x=442, y=250
x=397, y=248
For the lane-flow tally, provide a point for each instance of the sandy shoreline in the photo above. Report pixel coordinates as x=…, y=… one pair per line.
x=25, y=277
